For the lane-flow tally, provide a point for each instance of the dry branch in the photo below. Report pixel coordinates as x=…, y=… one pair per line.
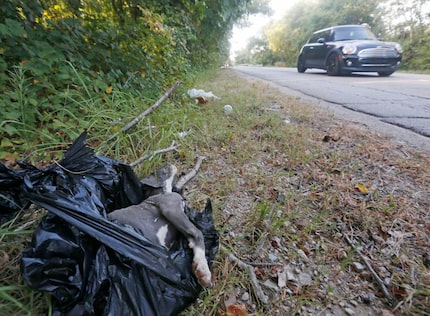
x=253, y=277
x=183, y=180
x=151, y=108
x=381, y=284
x=172, y=147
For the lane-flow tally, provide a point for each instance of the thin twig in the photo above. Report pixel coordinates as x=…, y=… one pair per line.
x=184, y=179
x=381, y=284
x=262, y=264
x=151, y=108
x=172, y=147
x=25, y=225
x=70, y=171
x=253, y=277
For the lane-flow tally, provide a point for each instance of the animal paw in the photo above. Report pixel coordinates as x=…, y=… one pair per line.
x=201, y=269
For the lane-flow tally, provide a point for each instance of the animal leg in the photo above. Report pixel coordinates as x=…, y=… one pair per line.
x=171, y=206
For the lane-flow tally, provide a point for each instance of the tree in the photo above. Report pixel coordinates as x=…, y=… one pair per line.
x=409, y=23
x=51, y=47
x=156, y=40
x=287, y=35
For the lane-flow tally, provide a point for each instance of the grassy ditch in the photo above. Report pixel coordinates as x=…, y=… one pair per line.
x=290, y=185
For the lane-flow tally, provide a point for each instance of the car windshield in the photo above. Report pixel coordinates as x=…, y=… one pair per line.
x=353, y=33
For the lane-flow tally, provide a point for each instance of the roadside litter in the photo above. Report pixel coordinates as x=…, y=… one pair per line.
x=89, y=265
x=228, y=109
x=201, y=96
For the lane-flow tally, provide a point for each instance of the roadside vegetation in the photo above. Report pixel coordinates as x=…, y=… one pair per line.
x=289, y=184
x=62, y=61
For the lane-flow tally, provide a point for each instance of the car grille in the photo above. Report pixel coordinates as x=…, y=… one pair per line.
x=381, y=52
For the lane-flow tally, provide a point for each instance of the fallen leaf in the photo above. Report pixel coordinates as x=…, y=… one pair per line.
x=399, y=292
x=259, y=272
x=362, y=188
x=201, y=100
x=236, y=310
x=275, y=243
x=316, y=195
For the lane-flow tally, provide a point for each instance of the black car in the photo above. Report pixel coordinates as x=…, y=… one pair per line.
x=345, y=49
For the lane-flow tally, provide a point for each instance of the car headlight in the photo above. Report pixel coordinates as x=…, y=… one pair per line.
x=398, y=48
x=349, y=49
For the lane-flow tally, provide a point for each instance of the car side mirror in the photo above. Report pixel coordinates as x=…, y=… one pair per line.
x=321, y=40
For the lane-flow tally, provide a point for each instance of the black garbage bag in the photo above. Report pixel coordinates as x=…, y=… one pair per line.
x=10, y=199
x=92, y=266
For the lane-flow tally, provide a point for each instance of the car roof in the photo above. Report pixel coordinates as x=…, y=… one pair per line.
x=338, y=27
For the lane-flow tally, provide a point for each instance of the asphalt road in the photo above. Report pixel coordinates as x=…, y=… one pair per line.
x=398, y=105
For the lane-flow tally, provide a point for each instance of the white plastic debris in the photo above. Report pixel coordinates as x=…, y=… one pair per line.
x=184, y=133
x=228, y=108
x=195, y=93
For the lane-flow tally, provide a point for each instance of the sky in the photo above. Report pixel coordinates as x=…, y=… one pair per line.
x=256, y=22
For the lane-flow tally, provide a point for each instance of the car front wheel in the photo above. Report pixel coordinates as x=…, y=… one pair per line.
x=333, y=66
x=301, y=65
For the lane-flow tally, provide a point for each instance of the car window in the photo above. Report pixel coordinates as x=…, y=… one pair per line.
x=326, y=35
x=353, y=33
x=316, y=36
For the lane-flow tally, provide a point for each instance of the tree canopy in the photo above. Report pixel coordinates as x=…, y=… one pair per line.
x=54, y=49
x=407, y=22
x=153, y=41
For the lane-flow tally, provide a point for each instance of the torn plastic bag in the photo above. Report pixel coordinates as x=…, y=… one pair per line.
x=10, y=199
x=88, y=264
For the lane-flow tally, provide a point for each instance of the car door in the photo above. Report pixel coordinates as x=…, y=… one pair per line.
x=310, y=49
x=320, y=50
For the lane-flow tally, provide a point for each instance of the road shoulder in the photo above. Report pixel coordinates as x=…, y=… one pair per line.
x=398, y=135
